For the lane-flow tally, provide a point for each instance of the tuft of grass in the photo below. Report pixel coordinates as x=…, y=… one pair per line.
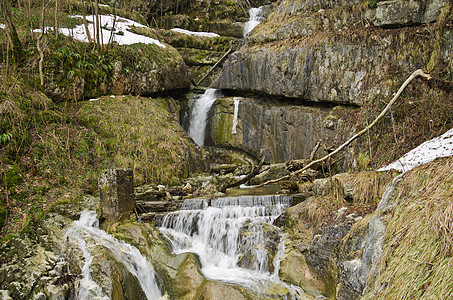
x=417, y=261
x=367, y=187
x=141, y=134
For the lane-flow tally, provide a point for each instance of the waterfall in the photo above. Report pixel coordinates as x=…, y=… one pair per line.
x=87, y=235
x=200, y=109
x=236, y=112
x=234, y=239
x=256, y=16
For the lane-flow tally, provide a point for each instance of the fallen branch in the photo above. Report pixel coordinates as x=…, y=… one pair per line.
x=313, y=153
x=214, y=66
x=401, y=89
x=253, y=173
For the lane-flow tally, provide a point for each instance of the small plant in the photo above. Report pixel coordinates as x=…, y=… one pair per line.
x=5, y=138
x=363, y=161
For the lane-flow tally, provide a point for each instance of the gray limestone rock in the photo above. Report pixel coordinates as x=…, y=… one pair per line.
x=282, y=132
x=397, y=13
x=116, y=189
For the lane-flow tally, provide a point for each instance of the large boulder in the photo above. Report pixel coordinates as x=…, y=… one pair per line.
x=390, y=13
x=396, y=13
x=259, y=246
x=139, y=69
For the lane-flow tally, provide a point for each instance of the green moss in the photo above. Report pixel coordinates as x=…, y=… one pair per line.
x=3, y=212
x=223, y=120
x=363, y=161
x=137, y=134
x=13, y=177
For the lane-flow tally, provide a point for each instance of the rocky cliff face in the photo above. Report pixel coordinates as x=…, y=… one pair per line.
x=281, y=131
x=353, y=53
x=334, y=55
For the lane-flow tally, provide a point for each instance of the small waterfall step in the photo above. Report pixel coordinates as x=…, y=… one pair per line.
x=156, y=210
x=235, y=240
x=159, y=206
x=85, y=233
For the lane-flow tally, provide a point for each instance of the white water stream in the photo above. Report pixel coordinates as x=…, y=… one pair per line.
x=87, y=235
x=256, y=16
x=234, y=239
x=198, y=119
x=235, y=116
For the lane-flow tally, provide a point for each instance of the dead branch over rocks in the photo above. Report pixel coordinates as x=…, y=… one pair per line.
x=416, y=73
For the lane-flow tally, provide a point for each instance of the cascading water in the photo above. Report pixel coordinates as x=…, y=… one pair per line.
x=235, y=116
x=200, y=109
x=256, y=16
x=234, y=239
x=87, y=235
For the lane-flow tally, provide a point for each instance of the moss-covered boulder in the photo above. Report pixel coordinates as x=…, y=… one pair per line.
x=141, y=134
x=74, y=72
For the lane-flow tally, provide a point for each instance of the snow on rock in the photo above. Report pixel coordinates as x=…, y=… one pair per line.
x=204, y=34
x=121, y=34
x=441, y=146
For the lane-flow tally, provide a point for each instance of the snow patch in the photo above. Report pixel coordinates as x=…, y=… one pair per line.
x=121, y=33
x=195, y=33
x=441, y=146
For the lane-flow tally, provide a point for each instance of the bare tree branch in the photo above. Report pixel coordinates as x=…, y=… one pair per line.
x=401, y=89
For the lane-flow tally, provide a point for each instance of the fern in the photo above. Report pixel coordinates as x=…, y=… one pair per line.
x=5, y=138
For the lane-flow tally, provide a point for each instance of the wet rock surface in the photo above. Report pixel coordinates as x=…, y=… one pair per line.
x=319, y=255
x=281, y=132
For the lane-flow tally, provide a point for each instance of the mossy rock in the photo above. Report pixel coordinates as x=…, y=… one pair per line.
x=13, y=176
x=3, y=212
x=141, y=134
x=74, y=72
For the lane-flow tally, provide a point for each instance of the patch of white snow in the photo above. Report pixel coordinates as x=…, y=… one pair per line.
x=441, y=146
x=121, y=33
x=195, y=33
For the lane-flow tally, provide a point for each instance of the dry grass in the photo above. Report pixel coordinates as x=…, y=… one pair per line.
x=368, y=187
x=60, y=153
x=140, y=133
x=417, y=261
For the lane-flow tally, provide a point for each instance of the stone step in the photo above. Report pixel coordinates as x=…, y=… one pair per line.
x=158, y=206
x=150, y=195
x=155, y=217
